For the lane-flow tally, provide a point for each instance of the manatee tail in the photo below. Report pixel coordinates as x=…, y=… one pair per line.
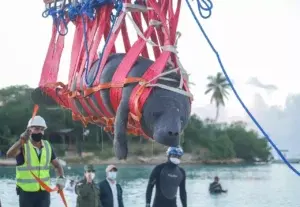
x=49, y=97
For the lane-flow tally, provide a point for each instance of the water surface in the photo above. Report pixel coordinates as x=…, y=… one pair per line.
x=248, y=186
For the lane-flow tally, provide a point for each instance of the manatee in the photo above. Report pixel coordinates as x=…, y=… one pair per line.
x=165, y=113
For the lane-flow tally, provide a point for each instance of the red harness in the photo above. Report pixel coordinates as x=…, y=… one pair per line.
x=163, y=35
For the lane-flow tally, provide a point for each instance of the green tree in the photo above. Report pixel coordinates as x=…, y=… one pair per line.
x=217, y=140
x=226, y=141
x=218, y=87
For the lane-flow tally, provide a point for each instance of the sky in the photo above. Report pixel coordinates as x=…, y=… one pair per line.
x=258, y=41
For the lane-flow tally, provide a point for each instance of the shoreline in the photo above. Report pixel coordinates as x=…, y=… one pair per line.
x=89, y=158
x=133, y=160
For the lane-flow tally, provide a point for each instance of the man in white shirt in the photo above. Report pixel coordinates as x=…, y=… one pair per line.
x=111, y=194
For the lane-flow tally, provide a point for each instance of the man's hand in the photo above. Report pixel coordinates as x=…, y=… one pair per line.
x=25, y=135
x=60, y=182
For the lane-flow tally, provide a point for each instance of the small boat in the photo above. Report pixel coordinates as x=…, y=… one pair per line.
x=8, y=162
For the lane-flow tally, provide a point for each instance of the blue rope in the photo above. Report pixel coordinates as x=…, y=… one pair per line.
x=88, y=9
x=74, y=10
x=58, y=15
x=208, y=7
x=235, y=92
x=61, y=17
x=84, y=8
x=118, y=7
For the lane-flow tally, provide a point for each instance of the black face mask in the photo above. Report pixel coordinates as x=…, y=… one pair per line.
x=37, y=137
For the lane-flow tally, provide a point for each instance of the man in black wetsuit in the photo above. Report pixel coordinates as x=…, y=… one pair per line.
x=215, y=187
x=167, y=177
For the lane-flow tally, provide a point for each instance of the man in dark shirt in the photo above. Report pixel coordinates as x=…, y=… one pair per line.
x=215, y=187
x=167, y=177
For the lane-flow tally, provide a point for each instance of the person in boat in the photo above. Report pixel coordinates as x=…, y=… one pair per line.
x=88, y=194
x=34, y=156
x=168, y=177
x=111, y=191
x=215, y=187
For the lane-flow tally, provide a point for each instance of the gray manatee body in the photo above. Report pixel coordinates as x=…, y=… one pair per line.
x=165, y=113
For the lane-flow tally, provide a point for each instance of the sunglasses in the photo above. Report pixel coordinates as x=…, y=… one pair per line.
x=90, y=171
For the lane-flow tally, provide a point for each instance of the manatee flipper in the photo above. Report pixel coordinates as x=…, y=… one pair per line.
x=120, y=138
x=41, y=98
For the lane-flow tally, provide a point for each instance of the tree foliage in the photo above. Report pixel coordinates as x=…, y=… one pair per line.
x=218, y=87
x=205, y=137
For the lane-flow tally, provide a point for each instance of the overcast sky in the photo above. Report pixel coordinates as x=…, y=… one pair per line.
x=258, y=41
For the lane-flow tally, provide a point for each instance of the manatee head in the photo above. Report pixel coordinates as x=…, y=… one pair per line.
x=166, y=114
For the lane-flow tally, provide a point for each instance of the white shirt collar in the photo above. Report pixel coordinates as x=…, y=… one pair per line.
x=111, y=183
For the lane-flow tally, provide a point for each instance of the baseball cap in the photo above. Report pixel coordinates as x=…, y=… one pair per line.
x=89, y=168
x=110, y=167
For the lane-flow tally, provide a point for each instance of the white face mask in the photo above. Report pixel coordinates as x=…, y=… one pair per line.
x=92, y=176
x=112, y=175
x=175, y=160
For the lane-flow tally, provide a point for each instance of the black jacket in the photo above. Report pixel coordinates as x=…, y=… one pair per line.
x=106, y=196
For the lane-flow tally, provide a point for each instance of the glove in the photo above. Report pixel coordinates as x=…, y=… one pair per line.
x=25, y=135
x=61, y=182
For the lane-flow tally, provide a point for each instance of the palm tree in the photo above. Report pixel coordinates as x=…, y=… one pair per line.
x=218, y=86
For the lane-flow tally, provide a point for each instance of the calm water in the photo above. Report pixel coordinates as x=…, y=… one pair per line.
x=249, y=186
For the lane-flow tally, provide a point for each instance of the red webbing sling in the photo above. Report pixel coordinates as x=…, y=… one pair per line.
x=163, y=35
x=127, y=63
x=137, y=17
x=76, y=48
x=125, y=67
x=103, y=15
x=120, y=78
x=156, y=50
x=76, y=62
x=108, y=50
x=51, y=64
x=91, y=32
x=104, y=19
x=140, y=92
x=131, y=56
x=42, y=183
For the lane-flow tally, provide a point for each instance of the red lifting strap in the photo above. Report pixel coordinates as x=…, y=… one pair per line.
x=108, y=50
x=51, y=64
x=140, y=93
x=163, y=36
